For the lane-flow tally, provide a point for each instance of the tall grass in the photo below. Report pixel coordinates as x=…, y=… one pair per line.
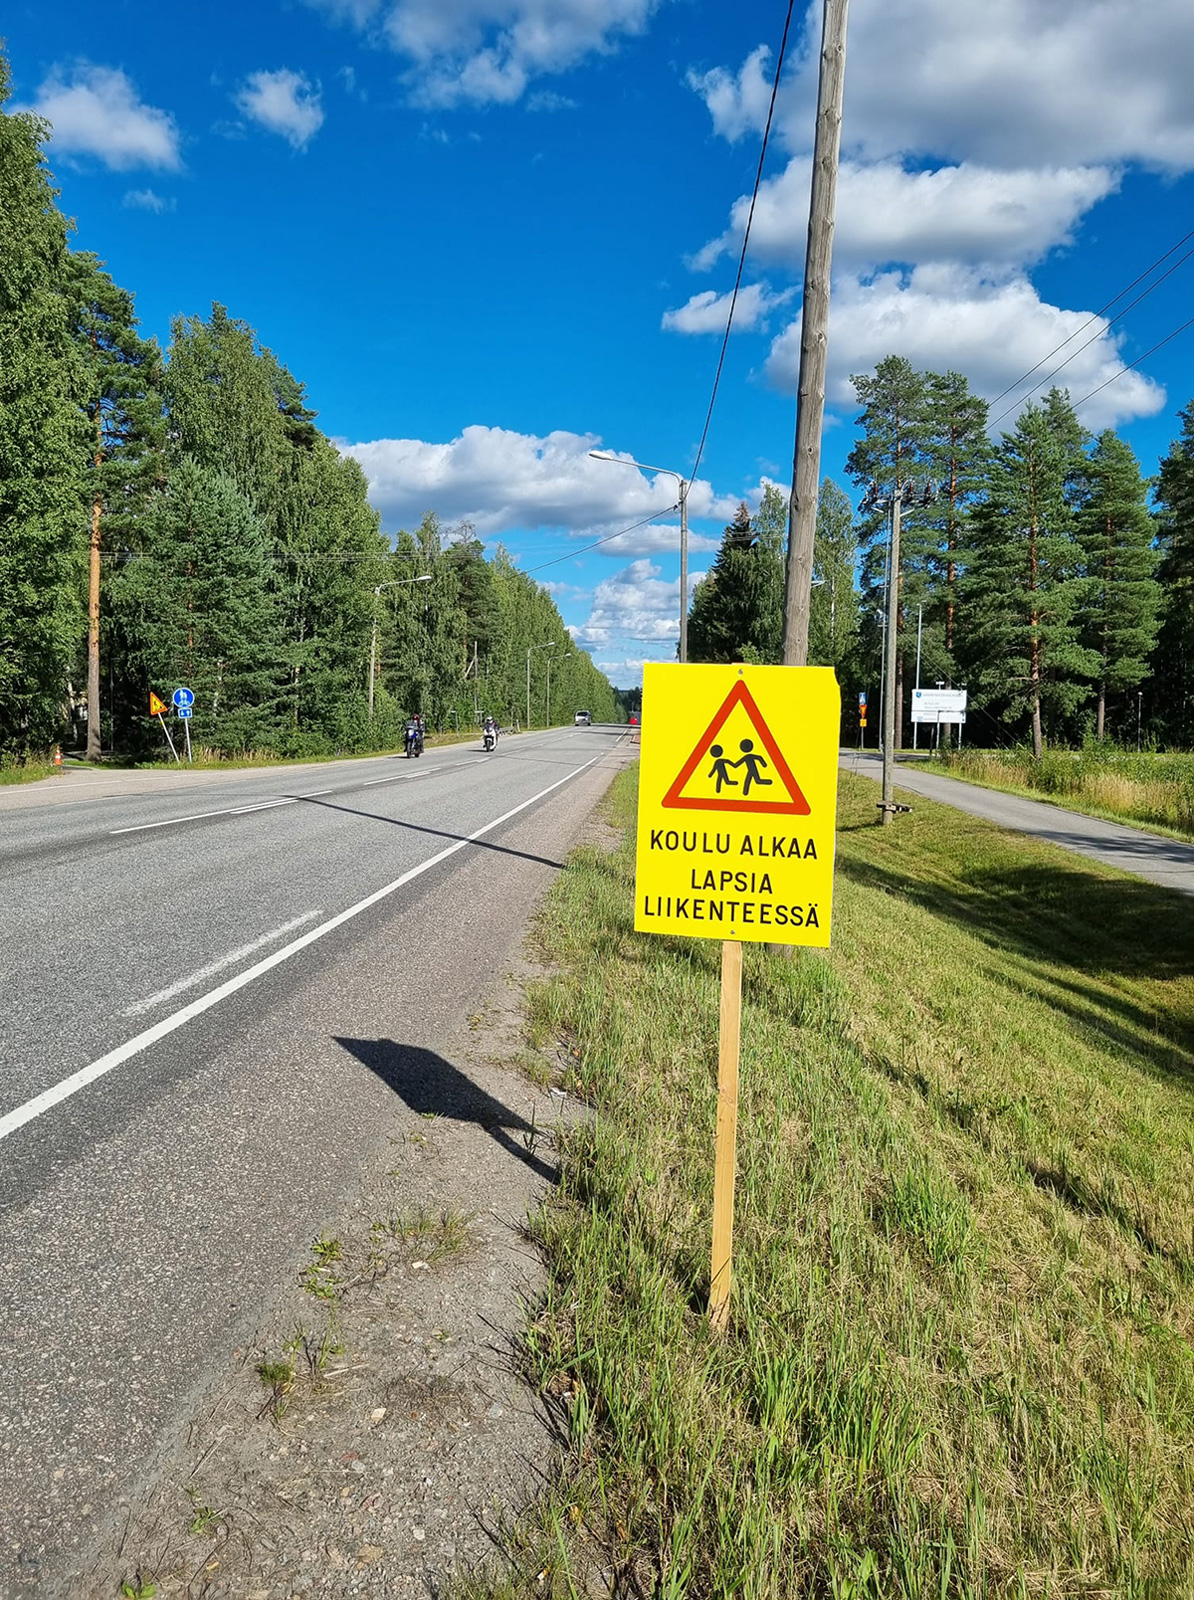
x=961, y=1358
x=1153, y=789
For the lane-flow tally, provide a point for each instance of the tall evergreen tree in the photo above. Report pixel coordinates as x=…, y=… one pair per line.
x=41, y=444
x=1025, y=584
x=834, y=618
x=195, y=606
x=1120, y=614
x=125, y=436
x=892, y=451
x=737, y=608
x=225, y=410
x=1174, y=658
x=957, y=453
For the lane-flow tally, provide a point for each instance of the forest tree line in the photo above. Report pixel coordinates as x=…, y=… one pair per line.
x=176, y=518
x=1043, y=571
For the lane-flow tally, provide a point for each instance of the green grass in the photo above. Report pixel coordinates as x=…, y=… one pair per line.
x=1156, y=791
x=960, y=1356
x=31, y=772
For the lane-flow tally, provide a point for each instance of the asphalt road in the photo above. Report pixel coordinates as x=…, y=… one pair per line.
x=1168, y=862
x=194, y=974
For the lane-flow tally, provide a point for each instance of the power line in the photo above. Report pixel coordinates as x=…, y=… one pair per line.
x=567, y=556
x=1094, y=317
x=750, y=216
x=1144, y=294
x=1132, y=364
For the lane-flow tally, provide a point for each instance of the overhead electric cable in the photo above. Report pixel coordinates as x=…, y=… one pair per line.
x=783, y=45
x=1115, y=376
x=1094, y=316
x=567, y=556
x=1143, y=295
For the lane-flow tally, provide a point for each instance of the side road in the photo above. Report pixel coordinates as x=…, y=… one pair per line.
x=1167, y=862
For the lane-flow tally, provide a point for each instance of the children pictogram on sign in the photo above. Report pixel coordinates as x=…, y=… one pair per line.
x=734, y=783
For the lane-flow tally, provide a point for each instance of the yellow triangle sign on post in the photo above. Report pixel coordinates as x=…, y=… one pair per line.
x=727, y=771
x=156, y=706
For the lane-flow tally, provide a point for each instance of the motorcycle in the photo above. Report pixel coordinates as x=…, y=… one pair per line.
x=413, y=742
x=489, y=740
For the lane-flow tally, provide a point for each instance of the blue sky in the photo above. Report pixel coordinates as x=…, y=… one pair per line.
x=490, y=235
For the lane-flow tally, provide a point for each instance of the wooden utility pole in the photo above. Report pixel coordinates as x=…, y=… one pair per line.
x=890, y=647
x=814, y=335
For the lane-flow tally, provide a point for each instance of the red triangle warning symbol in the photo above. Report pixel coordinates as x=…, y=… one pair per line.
x=716, y=778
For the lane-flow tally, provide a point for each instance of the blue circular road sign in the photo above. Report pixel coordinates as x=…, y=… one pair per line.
x=183, y=697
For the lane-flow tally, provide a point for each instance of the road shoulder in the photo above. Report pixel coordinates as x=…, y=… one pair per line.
x=371, y=1432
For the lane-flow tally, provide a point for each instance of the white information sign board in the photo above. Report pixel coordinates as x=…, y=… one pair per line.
x=939, y=705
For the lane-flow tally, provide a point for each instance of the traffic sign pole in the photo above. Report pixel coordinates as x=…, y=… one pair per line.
x=726, y=1153
x=187, y=726
x=169, y=740
x=735, y=842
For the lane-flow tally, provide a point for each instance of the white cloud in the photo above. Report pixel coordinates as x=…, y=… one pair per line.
x=148, y=200
x=96, y=111
x=635, y=603
x=285, y=102
x=1009, y=83
x=706, y=312
x=738, y=101
x=944, y=316
x=549, y=100
x=498, y=480
x=885, y=213
x=484, y=52
x=975, y=140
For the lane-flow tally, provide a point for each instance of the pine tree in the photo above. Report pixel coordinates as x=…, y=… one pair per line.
x=1025, y=586
x=195, y=606
x=737, y=608
x=834, y=615
x=957, y=454
x=1119, y=618
x=224, y=407
x=1174, y=659
x=125, y=436
x=41, y=444
x=891, y=452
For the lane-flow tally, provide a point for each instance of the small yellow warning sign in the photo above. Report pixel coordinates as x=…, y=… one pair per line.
x=737, y=802
x=156, y=706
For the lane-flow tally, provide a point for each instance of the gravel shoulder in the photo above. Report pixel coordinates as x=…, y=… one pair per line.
x=375, y=1434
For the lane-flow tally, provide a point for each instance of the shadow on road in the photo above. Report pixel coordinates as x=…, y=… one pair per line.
x=435, y=1088
x=436, y=833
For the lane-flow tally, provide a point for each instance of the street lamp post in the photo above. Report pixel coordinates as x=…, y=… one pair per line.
x=874, y=501
x=550, y=645
x=666, y=472
x=390, y=583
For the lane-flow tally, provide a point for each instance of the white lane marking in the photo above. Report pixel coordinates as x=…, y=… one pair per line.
x=427, y=772
x=265, y=805
x=172, y=822
x=213, y=967
x=17, y=1118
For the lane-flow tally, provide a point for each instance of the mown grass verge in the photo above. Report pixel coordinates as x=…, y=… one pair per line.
x=960, y=1358
x=1155, y=791
x=30, y=772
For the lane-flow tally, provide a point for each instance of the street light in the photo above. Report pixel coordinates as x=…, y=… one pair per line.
x=390, y=583
x=666, y=472
x=875, y=501
x=550, y=645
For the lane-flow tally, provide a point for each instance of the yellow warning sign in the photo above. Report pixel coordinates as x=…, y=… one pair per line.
x=737, y=802
x=156, y=706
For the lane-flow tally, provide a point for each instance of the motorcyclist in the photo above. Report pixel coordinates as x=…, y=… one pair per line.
x=413, y=735
x=489, y=732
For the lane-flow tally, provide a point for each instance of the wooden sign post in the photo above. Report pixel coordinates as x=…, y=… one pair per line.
x=736, y=822
x=725, y=1159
